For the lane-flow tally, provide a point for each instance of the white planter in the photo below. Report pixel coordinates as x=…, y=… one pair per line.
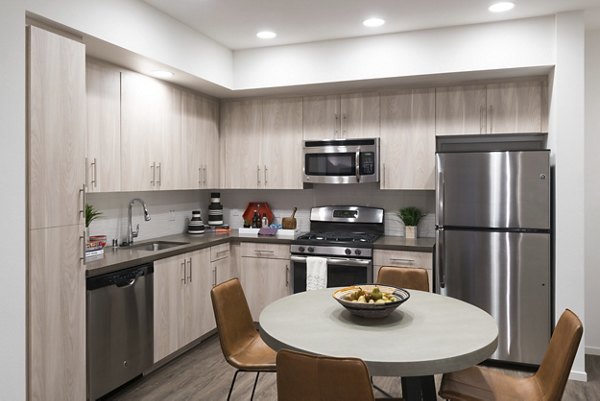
x=410, y=231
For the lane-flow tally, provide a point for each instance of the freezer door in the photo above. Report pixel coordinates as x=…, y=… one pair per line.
x=493, y=189
x=506, y=274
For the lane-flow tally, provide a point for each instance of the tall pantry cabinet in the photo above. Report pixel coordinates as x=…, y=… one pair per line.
x=56, y=127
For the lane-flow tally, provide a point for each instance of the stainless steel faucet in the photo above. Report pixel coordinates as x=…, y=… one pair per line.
x=130, y=233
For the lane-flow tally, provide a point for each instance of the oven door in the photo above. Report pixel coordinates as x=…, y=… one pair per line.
x=341, y=272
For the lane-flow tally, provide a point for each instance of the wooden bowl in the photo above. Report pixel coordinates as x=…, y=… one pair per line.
x=367, y=310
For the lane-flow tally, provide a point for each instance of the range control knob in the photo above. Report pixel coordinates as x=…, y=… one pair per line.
x=357, y=252
x=348, y=251
x=311, y=249
x=301, y=248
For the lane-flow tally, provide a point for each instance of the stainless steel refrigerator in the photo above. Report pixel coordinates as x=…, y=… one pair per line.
x=494, y=243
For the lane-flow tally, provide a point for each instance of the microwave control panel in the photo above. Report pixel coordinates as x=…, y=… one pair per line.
x=367, y=163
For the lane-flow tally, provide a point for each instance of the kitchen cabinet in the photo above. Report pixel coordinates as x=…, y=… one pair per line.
x=503, y=107
x=222, y=266
x=56, y=196
x=199, y=146
x=408, y=139
x=403, y=259
x=181, y=314
x=265, y=274
x=150, y=133
x=103, y=90
x=353, y=115
x=261, y=142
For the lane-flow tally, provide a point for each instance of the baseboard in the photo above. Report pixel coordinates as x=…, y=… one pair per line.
x=592, y=350
x=578, y=376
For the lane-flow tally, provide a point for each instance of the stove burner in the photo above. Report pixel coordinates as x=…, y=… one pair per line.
x=340, y=236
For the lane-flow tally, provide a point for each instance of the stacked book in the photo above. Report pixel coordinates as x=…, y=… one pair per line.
x=94, y=248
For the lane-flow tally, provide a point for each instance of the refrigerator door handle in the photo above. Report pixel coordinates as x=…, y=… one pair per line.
x=439, y=213
x=441, y=276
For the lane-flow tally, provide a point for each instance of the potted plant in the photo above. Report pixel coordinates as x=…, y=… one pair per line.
x=410, y=216
x=91, y=214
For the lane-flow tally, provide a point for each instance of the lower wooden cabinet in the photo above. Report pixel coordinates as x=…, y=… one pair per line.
x=265, y=274
x=181, y=314
x=402, y=259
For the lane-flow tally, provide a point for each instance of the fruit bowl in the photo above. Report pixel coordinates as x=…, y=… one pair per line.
x=371, y=310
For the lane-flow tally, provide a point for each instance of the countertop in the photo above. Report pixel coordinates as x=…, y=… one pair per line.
x=122, y=258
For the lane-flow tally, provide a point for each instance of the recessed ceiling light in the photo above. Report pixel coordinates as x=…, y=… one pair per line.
x=373, y=22
x=501, y=6
x=161, y=74
x=266, y=35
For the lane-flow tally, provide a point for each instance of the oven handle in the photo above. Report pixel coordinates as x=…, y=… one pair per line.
x=357, y=165
x=336, y=261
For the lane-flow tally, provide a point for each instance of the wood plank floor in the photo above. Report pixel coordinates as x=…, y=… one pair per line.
x=203, y=374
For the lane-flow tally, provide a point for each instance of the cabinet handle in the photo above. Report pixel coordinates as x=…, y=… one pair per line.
x=287, y=275
x=94, y=173
x=257, y=175
x=183, y=265
x=337, y=124
x=403, y=260
x=153, y=167
x=205, y=175
x=215, y=276
x=265, y=251
x=190, y=276
x=491, y=116
x=343, y=126
x=222, y=253
x=199, y=175
x=159, y=181
x=82, y=191
x=83, y=241
x=265, y=174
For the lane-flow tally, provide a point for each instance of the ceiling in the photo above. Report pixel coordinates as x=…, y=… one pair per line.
x=234, y=23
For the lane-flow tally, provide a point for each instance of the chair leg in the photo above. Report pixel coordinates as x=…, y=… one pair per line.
x=232, y=383
x=382, y=391
x=254, y=387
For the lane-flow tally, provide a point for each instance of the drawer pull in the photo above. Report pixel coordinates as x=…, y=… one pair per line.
x=222, y=253
x=403, y=260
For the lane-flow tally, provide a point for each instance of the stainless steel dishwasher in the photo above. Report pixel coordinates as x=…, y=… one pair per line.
x=119, y=328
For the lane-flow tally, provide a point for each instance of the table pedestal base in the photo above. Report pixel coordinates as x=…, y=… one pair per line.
x=418, y=388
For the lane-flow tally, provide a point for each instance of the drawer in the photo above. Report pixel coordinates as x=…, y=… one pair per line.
x=264, y=250
x=219, y=252
x=403, y=258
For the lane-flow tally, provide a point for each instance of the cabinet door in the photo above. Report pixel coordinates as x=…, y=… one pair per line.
x=514, y=107
x=281, y=143
x=241, y=127
x=360, y=115
x=264, y=281
x=191, y=159
x=460, y=110
x=150, y=133
x=321, y=117
x=209, y=111
x=169, y=283
x=408, y=139
x=103, y=84
x=56, y=125
x=198, y=315
x=56, y=287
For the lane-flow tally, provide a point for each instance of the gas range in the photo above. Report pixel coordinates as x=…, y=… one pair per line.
x=341, y=231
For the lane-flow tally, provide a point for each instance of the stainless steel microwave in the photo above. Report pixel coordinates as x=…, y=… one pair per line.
x=341, y=161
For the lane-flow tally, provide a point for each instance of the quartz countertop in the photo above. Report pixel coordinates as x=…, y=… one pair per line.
x=121, y=258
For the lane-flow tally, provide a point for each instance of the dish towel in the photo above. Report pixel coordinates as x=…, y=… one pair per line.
x=316, y=273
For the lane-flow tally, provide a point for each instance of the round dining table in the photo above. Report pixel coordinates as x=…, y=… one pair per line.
x=426, y=335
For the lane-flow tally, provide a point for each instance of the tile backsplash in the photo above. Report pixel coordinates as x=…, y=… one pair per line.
x=171, y=210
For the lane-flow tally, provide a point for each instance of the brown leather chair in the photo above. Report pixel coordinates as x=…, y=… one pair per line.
x=410, y=278
x=303, y=377
x=242, y=346
x=547, y=384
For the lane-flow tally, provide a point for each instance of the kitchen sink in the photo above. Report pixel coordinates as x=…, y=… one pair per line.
x=157, y=245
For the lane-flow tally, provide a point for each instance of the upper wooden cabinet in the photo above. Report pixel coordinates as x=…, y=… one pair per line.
x=103, y=84
x=261, y=142
x=508, y=107
x=199, y=145
x=337, y=117
x=55, y=244
x=408, y=139
x=150, y=133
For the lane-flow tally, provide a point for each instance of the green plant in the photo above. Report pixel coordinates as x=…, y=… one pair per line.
x=91, y=214
x=410, y=215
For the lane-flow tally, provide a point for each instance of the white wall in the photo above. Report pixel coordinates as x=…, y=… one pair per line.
x=12, y=201
x=140, y=28
x=592, y=190
x=509, y=44
x=566, y=138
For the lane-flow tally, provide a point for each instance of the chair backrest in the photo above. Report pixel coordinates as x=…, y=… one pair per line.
x=554, y=371
x=232, y=315
x=411, y=278
x=303, y=377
